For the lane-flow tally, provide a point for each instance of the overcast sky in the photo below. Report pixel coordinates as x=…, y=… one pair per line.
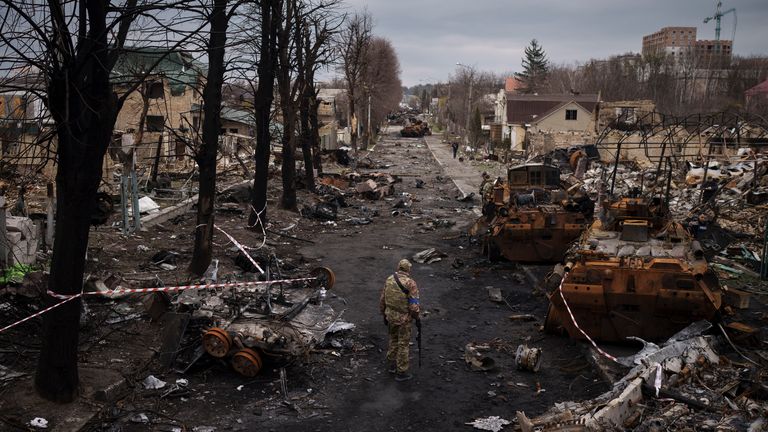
x=430, y=36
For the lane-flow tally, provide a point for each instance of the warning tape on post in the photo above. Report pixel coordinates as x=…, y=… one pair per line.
x=576, y=324
x=67, y=298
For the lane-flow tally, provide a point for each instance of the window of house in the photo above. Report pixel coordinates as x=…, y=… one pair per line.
x=155, y=123
x=155, y=90
x=570, y=114
x=535, y=177
x=195, y=122
x=626, y=114
x=233, y=130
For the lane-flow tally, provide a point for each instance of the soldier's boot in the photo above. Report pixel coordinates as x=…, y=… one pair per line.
x=403, y=376
x=391, y=367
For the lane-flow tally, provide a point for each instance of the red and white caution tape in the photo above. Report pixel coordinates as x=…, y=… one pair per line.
x=66, y=298
x=48, y=309
x=242, y=249
x=575, y=324
x=180, y=288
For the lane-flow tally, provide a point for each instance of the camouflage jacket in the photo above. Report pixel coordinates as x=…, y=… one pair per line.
x=486, y=190
x=395, y=305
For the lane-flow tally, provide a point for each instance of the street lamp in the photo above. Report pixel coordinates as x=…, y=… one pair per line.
x=469, y=100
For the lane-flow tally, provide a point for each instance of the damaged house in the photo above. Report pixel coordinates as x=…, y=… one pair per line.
x=162, y=109
x=546, y=121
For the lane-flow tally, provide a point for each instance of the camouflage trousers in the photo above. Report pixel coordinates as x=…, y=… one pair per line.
x=399, y=345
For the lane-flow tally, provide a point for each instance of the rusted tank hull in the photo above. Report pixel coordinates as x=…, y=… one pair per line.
x=520, y=243
x=611, y=302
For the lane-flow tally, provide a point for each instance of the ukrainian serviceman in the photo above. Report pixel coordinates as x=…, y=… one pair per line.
x=399, y=304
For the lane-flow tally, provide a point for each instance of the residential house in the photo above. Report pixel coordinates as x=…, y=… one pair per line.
x=26, y=141
x=166, y=99
x=556, y=119
x=623, y=115
x=333, y=118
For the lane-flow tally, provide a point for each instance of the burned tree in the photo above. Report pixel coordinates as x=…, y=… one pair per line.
x=287, y=88
x=382, y=88
x=206, y=155
x=353, y=45
x=269, y=17
x=313, y=37
x=73, y=46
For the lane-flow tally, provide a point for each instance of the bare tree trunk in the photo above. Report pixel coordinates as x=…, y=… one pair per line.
x=288, y=201
x=306, y=137
x=262, y=103
x=287, y=104
x=206, y=156
x=314, y=125
x=84, y=108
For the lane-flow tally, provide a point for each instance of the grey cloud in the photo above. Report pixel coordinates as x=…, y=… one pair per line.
x=432, y=35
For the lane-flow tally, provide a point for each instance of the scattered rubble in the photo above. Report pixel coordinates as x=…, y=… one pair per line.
x=429, y=256
x=684, y=381
x=492, y=423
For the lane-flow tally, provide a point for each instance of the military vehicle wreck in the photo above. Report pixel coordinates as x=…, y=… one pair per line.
x=415, y=129
x=532, y=216
x=276, y=322
x=636, y=273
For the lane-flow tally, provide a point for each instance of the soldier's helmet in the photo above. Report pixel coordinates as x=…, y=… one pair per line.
x=404, y=265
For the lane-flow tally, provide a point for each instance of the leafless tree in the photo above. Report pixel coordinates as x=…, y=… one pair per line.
x=381, y=85
x=314, y=37
x=219, y=17
x=71, y=46
x=268, y=25
x=354, y=41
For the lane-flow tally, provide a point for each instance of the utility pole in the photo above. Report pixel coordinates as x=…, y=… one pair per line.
x=369, y=118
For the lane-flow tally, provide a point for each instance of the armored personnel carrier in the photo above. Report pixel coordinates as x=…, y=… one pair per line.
x=635, y=272
x=531, y=217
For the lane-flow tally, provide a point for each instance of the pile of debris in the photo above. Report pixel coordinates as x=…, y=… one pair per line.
x=732, y=195
x=683, y=382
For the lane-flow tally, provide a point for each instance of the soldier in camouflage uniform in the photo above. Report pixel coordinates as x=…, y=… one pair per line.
x=399, y=305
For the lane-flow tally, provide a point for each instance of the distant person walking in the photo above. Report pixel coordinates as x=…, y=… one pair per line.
x=399, y=303
x=455, y=147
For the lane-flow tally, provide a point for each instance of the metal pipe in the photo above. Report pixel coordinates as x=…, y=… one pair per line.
x=615, y=166
x=669, y=180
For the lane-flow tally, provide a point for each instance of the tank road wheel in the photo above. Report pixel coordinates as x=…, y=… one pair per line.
x=325, y=277
x=217, y=342
x=247, y=362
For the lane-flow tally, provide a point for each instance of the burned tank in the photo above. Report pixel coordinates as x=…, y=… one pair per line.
x=531, y=217
x=415, y=129
x=273, y=322
x=635, y=272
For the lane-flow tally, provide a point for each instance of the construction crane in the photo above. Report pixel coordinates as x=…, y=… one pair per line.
x=719, y=15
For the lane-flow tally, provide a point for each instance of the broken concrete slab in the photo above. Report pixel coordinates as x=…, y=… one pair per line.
x=429, y=256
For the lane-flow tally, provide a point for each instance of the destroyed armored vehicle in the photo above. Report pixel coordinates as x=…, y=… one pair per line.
x=531, y=217
x=634, y=273
x=274, y=322
x=415, y=129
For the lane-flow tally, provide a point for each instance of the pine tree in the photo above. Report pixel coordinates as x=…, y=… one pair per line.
x=535, y=69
